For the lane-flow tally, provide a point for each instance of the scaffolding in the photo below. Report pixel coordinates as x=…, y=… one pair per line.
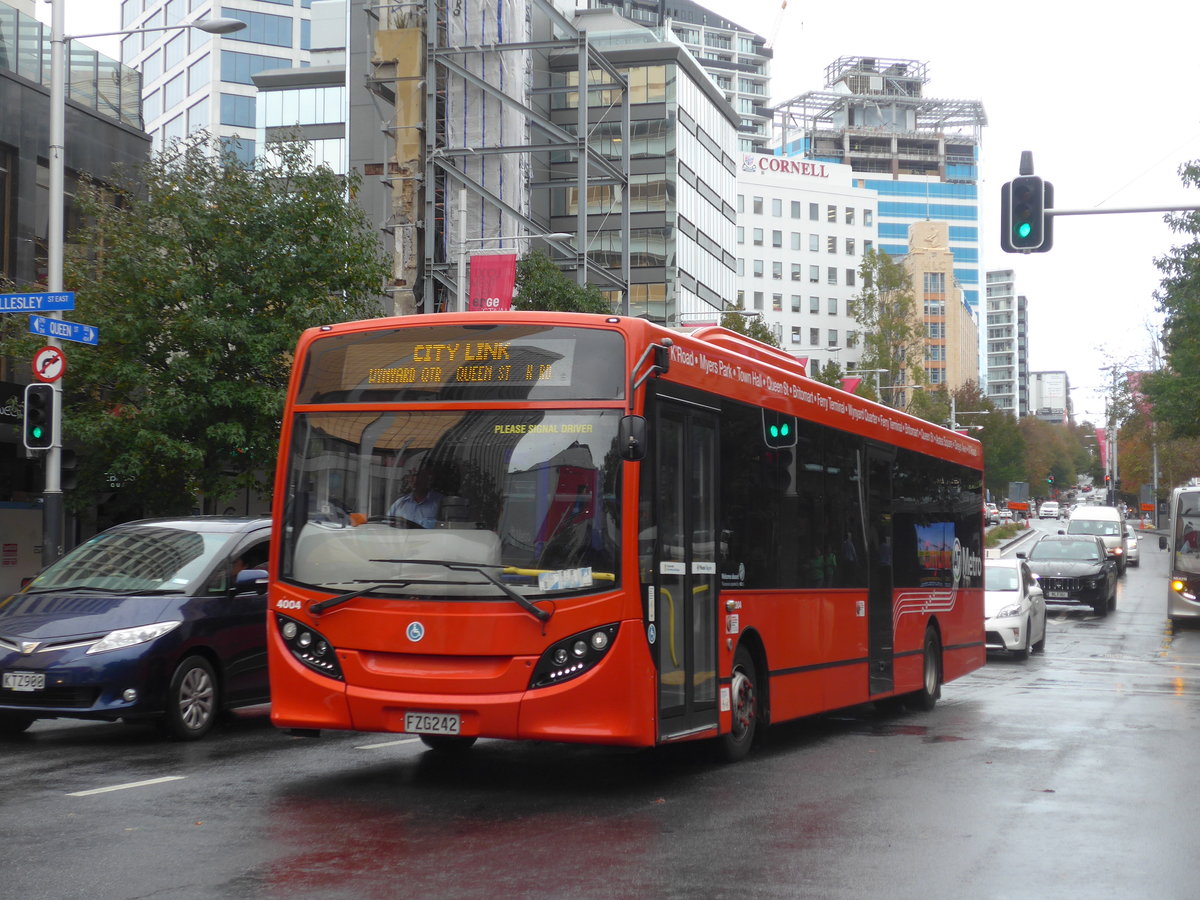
x=474, y=143
x=874, y=117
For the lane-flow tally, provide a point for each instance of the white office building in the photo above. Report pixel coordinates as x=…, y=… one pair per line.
x=193, y=80
x=803, y=227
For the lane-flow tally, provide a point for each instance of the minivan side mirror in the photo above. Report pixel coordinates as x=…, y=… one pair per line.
x=250, y=581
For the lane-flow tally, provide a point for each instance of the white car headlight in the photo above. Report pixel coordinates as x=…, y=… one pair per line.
x=128, y=637
x=1012, y=609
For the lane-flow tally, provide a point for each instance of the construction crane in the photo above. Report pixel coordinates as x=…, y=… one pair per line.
x=778, y=23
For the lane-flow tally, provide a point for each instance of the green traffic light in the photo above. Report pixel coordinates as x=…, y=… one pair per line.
x=1023, y=230
x=36, y=431
x=774, y=431
x=783, y=429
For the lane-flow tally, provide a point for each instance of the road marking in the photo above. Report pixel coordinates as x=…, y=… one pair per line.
x=125, y=787
x=386, y=744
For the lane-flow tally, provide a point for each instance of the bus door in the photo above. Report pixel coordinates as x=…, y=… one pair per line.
x=879, y=551
x=685, y=577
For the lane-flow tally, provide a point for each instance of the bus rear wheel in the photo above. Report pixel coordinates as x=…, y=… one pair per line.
x=931, y=674
x=735, y=744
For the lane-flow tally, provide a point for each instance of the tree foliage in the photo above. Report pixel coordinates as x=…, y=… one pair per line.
x=200, y=274
x=751, y=326
x=891, y=331
x=543, y=285
x=1174, y=392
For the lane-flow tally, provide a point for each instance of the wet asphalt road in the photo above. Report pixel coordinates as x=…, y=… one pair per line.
x=1068, y=775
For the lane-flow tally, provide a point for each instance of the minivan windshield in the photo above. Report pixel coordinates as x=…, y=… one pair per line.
x=135, y=559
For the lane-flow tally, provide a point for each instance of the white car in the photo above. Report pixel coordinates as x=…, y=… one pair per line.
x=1049, y=510
x=1131, y=547
x=1014, y=610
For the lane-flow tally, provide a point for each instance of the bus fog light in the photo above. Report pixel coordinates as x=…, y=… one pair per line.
x=573, y=656
x=560, y=656
x=129, y=695
x=309, y=647
x=580, y=649
x=304, y=640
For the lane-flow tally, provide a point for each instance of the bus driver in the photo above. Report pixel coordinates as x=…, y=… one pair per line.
x=421, y=503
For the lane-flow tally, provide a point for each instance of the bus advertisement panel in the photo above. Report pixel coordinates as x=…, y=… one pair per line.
x=590, y=528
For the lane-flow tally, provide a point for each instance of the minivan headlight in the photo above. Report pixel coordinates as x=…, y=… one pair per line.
x=128, y=637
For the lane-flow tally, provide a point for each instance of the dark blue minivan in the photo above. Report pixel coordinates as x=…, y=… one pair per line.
x=160, y=619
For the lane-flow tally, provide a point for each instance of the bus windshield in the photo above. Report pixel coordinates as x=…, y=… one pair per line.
x=445, y=504
x=1187, y=532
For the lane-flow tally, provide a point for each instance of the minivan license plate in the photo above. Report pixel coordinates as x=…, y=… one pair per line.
x=431, y=723
x=24, y=681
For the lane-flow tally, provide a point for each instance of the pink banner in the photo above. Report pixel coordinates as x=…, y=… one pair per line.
x=803, y=360
x=1134, y=380
x=491, y=283
x=850, y=384
x=1102, y=444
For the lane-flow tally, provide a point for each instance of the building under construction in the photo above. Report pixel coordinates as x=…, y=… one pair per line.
x=921, y=154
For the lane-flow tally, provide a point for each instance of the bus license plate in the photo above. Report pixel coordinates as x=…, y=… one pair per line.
x=431, y=723
x=1053, y=594
x=24, y=681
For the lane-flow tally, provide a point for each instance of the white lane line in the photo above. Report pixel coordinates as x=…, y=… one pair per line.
x=125, y=787
x=386, y=744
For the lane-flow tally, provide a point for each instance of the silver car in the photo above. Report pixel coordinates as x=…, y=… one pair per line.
x=1014, y=609
x=1131, y=546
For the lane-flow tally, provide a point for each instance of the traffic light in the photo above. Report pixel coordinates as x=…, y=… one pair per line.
x=66, y=469
x=1050, y=478
x=1024, y=200
x=779, y=430
x=39, y=416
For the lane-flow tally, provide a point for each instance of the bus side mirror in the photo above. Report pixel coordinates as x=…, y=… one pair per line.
x=662, y=359
x=631, y=438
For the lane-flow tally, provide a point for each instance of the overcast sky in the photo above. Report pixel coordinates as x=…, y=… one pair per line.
x=1104, y=96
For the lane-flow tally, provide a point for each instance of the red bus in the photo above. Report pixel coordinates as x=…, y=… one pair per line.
x=583, y=528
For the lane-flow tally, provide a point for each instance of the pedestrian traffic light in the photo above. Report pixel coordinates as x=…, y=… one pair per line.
x=1024, y=201
x=779, y=430
x=39, y=416
x=66, y=469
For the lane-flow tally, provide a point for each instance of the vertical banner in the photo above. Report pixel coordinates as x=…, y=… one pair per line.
x=850, y=383
x=491, y=281
x=1102, y=445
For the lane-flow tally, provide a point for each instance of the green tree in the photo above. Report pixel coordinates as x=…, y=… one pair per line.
x=200, y=274
x=751, y=326
x=543, y=285
x=891, y=333
x=1174, y=391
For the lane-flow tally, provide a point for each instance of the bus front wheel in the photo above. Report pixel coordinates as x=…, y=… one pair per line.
x=744, y=694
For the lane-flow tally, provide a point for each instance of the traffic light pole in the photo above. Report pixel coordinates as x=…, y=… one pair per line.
x=52, y=497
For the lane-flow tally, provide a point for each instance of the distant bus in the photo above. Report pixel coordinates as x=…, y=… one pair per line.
x=560, y=527
x=1183, y=541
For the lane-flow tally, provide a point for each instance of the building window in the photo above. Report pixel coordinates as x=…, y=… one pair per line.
x=935, y=307
x=240, y=68
x=831, y=306
x=795, y=303
x=851, y=339
x=198, y=74
x=776, y=238
x=795, y=240
x=758, y=268
x=849, y=278
x=174, y=51
x=197, y=116
x=776, y=207
x=849, y=215
x=814, y=212
x=796, y=334
x=795, y=209
x=935, y=282
x=261, y=28
x=758, y=237
x=831, y=244
x=849, y=246
x=758, y=299
x=833, y=336
x=868, y=217
x=814, y=243
x=797, y=272
x=814, y=305
x=741, y=203
x=814, y=274
x=237, y=110
x=741, y=235
x=868, y=246
x=814, y=336
x=831, y=276
x=777, y=302
x=777, y=270
x=173, y=92
x=831, y=213
x=741, y=267
x=758, y=206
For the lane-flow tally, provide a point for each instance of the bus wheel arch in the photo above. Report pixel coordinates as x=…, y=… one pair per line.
x=748, y=700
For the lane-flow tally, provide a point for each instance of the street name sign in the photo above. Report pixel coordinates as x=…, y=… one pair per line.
x=63, y=330
x=19, y=303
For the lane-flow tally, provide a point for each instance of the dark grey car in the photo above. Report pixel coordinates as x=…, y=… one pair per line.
x=1075, y=568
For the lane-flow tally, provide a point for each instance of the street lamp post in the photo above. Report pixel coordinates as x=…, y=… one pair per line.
x=52, y=499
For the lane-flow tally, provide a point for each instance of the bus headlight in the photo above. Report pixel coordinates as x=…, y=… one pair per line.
x=573, y=656
x=1179, y=586
x=309, y=646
